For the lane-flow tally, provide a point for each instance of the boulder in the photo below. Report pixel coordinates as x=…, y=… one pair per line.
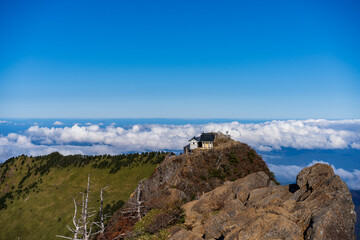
x=318, y=206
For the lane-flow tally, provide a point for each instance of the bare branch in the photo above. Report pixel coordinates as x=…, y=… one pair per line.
x=68, y=237
x=84, y=223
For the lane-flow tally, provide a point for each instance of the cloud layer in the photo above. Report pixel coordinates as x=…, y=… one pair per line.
x=304, y=134
x=96, y=139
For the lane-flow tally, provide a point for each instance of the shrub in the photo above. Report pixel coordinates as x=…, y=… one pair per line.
x=272, y=177
x=251, y=155
x=216, y=173
x=157, y=220
x=226, y=169
x=193, y=197
x=233, y=159
x=3, y=200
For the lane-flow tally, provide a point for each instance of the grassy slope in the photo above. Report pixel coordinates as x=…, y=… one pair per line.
x=43, y=214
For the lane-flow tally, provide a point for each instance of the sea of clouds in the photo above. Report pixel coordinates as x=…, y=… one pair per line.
x=94, y=139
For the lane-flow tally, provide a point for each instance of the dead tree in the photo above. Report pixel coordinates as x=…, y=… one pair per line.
x=135, y=209
x=102, y=226
x=83, y=225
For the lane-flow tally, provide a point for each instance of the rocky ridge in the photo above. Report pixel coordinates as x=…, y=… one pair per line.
x=229, y=193
x=180, y=179
x=318, y=206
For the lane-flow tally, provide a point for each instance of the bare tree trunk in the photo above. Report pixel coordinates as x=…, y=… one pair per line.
x=85, y=215
x=135, y=211
x=76, y=225
x=138, y=199
x=84, y=224
x=102, y=227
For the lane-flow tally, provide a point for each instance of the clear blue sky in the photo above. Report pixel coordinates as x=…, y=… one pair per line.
x=180, y=59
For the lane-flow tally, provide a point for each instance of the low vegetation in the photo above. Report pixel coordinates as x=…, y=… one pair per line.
x=38, y=191
x=155, y=223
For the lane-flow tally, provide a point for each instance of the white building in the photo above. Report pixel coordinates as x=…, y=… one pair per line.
x=205, y=141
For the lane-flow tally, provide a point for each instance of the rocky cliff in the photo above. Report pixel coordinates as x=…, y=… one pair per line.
x=180, y=179
x=318, y=206
x=229, y=193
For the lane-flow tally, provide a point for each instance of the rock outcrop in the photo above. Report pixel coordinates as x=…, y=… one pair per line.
x=318, y=206
x=229, y=193
x=188, y=176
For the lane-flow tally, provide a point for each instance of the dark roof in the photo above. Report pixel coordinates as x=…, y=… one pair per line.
x=208, y=137
x=196, y=138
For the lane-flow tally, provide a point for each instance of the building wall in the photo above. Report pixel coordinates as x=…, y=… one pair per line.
x=193, y=144
x=207, y=145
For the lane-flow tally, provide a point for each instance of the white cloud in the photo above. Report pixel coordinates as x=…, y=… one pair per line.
x=58, y=123
x=112, y=139
x=285, y=173
x=3, y=121
x=299, y=134
x=355, y=145
x=22, y=145
x=264, y=148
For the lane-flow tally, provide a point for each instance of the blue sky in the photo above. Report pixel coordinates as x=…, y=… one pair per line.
x=180, y=59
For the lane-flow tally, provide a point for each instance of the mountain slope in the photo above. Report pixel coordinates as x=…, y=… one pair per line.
x=183, y=178
x=229, y=193
x=226, y=192
x=36, y=192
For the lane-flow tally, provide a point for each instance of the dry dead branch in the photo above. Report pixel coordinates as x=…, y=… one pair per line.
x=83, y=225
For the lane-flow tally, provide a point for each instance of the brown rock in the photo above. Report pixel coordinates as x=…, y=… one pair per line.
x=318, y=206
x=187, y=177
x=252, y=208
x=314, y=176
x=184, y=234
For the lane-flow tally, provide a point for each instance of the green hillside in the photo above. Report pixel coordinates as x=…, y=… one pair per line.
x=36, y=192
